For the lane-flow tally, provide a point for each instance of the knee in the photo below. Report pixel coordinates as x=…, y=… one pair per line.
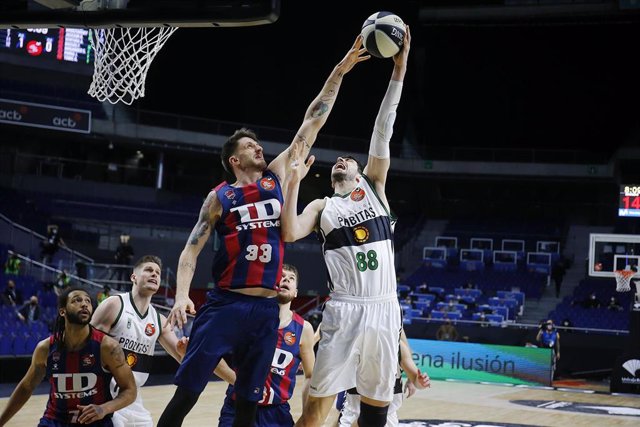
x=372, y=416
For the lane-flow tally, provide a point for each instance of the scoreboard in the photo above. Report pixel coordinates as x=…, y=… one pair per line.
x=64, y=49
x=629, y=201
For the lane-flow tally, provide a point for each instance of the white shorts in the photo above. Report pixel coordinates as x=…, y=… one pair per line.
x=358, y=347
x=134, y=415
x=351, y=410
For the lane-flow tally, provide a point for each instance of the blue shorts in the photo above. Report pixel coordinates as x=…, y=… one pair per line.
x=44, y=422
x=231, y=323
x=266, y=416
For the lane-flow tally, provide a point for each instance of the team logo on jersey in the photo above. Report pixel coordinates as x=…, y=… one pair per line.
x=132, y=359
x=267, y=183
x=129, y=324
x=290, y=338
x=230, y=194
x=150, y=329
x=357, y=194
x=88, y=360
x=361, y=234
x=55, y=356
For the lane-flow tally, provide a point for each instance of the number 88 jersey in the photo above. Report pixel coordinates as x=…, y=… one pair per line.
x=357, y=242
x=251, y=250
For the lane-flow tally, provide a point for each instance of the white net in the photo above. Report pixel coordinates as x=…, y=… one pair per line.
x=122, y=60
x=623, y=280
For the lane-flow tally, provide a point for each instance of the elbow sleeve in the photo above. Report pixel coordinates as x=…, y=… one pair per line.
x=383, y=128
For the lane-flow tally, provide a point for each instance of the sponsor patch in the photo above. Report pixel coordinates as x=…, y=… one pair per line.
x=361, y=234
x=267, y=183
x=132, y=359
x=357, y=194
x=88, y=360
x=290, y=338
x=150, y=329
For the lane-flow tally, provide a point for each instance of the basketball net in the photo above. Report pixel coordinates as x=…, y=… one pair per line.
x=623, y=280
x=122, y=60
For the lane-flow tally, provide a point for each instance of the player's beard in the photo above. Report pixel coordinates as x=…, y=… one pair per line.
x=74, y=318
x=285, y=298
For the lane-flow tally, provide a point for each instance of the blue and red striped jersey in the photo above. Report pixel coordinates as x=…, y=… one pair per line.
x=251, y=250
x=76, y=378
x=281, y=379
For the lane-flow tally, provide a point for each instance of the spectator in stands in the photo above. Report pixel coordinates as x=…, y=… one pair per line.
x=483, y=320
x=123, y=256
x=12, y=265
x=103, y=294
x=11, y=295
x=614, y=305
x=567, y=323
x=451, y=306
x=423, y=288
x=557, y=274
x=470, y=285
x=447, y=332
x=51, y=244
x=591, y=301
x=62, y=282
x=30, y=311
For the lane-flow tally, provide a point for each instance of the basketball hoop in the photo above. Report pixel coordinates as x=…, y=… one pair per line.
x=623, y=280
x=123, y=56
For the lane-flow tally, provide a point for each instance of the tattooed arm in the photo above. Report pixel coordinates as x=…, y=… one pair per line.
x=113, y=360
x=209, y=213
x=29, y=382
x=318, y=112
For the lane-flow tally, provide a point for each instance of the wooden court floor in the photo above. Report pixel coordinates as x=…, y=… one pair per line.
x=453, y=401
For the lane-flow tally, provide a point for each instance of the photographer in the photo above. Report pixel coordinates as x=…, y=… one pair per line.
x=549, y=337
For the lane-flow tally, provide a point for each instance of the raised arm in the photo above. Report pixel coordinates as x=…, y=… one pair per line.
x=113, y=359
x=34, y=376
x=296, y=226
x=169, y=340
x=209, y=213
x=307, y=342
x=379, y=154
x=318, y=111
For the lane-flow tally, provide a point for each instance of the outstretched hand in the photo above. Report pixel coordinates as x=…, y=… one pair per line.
x=178, y=315
x=355, y=55
x=400, y=58
x=299, y=170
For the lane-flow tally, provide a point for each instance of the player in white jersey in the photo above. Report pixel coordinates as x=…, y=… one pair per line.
x=361, y=322
x=136, y=325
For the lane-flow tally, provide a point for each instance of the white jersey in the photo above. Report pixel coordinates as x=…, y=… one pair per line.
x=137, y=334
x=357, y=235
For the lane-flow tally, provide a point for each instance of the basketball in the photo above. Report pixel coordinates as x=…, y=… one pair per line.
x=383, y=34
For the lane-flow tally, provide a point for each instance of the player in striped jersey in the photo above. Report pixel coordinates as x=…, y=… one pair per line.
x=361, y=322
x=294, y=346
x=79, y=362
x=248, y=265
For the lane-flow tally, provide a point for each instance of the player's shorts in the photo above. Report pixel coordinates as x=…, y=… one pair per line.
x=134, y=415
x=358, y=347
x=351, y=410
x=44, y=422
x=266, y=416
x=231, y=323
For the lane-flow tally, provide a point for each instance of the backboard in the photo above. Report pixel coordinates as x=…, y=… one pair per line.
x=23, y=14
x=610, y=252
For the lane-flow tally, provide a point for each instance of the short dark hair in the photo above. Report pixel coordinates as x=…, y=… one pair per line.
x=360, y=166
x=148, y=258
x=293, y=269
x=231, y=145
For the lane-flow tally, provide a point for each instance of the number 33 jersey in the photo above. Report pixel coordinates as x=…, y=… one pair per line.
x=356, y=230
x=251, y=249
